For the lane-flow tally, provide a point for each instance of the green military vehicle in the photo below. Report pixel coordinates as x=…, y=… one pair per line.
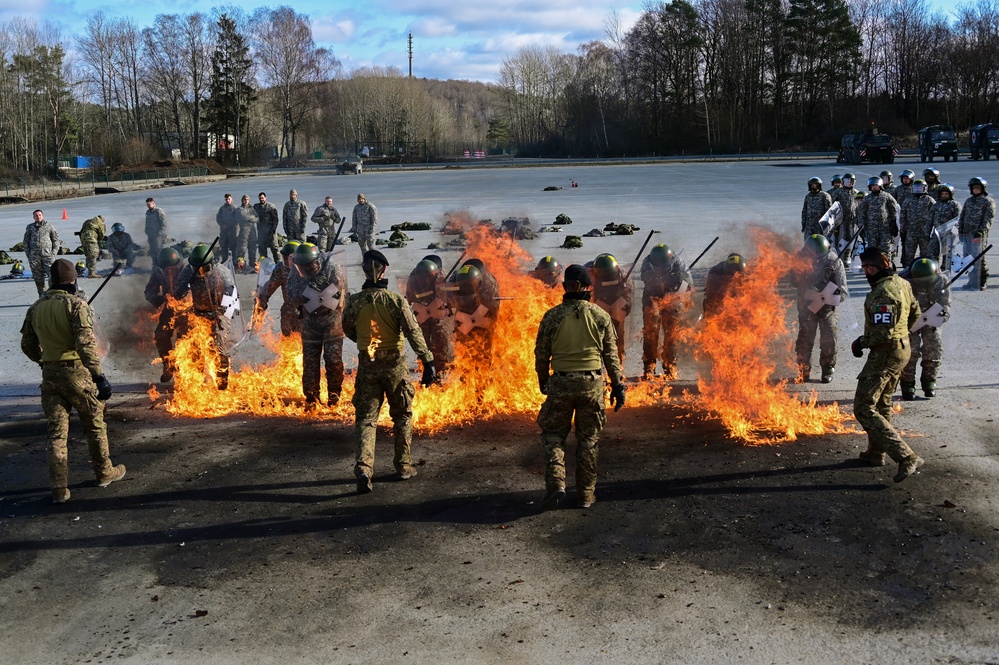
x=937, y=140
x=866, y=146
x=984, y=141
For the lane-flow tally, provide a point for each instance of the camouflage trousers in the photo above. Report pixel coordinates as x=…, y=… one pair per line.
x=658, y=335
x=92, y=253
x=156, y=243
x=290, y=321
x=67, y=386
x=385, y=377
x=266, y=240
x=927, y=344
x=296, y=232
x=247, y=243
x=582, y=395
x=437, y=333
x=365, y=240
x=170, y=323
x=228, y=243
x=916, y=244
x=826, y=324
x=872, y=402
x=324, y=238
x=322, y=343
x=978, y=275
x=40, y=267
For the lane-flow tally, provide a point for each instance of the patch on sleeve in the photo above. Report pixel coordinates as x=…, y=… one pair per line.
x=882, y=316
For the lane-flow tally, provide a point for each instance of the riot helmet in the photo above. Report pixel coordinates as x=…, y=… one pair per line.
x=81, y=268
x=307, y=259
x=477, y=263
x=849, y=179
x=817, y=244
x=605, y=268
x=814, y=183
x=201, y=257
x=290, y=247
x=735, y=263
x=468, y=278
x=931, y=175
x=875, y=181
x=924, y=271
x=948, y=189
x=837, y=179
x=662, y=255
x=167, y=258
x=425, y=275
x=919, y=187
x=117, y=227
x=886, y=177
x=906, y=176
x=981, y=182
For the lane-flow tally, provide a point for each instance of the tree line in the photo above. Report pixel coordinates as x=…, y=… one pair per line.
x=696, y=76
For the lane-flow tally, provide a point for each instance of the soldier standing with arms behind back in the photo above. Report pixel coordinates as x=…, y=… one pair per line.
x=847, y=198
x=228, y=229
x=878, y=215
x=976, y=220
x=364, y=223
x=58, y=333
x=945, y=210
x=889, y=311
x=156, y=225
x=294, y=216
x=267, y=223
x=915, y=221
x=41, y=245
x=246, y=229
x=576, y=339
x=816, y=204
x=380, y=321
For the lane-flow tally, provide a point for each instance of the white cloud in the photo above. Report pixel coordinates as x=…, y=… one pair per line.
x=433, y=27
x=331, y=30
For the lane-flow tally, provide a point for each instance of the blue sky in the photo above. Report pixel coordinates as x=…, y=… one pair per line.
x=458, y=39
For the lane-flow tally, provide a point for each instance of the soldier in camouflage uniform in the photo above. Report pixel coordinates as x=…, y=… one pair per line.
x=290, y=320
x=668, y=288
x=932, y=178
x=613, y=294
x=425, y=294
x=41, y=246
x=946, y=209
x=878, y=214
x=930, y=288
x=246, y=225
x=156, y=226
x=318, y=284
x=294, y=216
x=91, y=235
x=824, y=267
x=267, y=223
x=207, y=283
x=58, y=334
x=837, y=182
x=364, y=222
x=473, y=296
x=902, y=192
x=380, y=321
x=228, y=224
x=847, y=198
x=576, y=339
x=976, y=220
x=173, y=314
x=121, y=246
x=548, y=272
x=816, y=204
x=327, y=217
x=889, y=311
x=915, y=222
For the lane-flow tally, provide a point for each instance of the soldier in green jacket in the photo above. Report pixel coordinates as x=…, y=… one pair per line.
x=576, y=339
x=91, y=235
x=889, y=311
x=58, y=334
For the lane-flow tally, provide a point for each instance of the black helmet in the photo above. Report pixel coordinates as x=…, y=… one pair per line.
x=919, y=187
x=907, y=174
x=875, y=181
x=290, y=247
x=814, y=180
x=200, y=256
x=981, y=182
x=306, y=253
x=605, y=267
x=930, y=171
x=837, y=178
x=817, y=244
x=849, y=176
x=886, y=175
x=946, y=187
x=117, y=227
x=662, y=255
x=735, y=263
x=167, y=257
x=924, y=271
x=467, y=278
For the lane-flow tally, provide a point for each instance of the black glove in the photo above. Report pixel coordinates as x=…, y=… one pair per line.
x=543, y=383
x=103, y=387
x=429, y=374
x=157, y=301
x=858, y=347
x=617, y=396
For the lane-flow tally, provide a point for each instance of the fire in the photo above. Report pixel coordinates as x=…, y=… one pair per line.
x=740, y=349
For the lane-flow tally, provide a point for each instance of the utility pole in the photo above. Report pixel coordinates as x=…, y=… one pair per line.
x=411, y=55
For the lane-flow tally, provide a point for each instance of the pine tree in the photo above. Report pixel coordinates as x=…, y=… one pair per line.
x=229, y=93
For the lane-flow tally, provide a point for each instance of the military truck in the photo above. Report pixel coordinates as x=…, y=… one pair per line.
x=350, y=165
x=937, y=140
x=866, y=146
x=984, y=141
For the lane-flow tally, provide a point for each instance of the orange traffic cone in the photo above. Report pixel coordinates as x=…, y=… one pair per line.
x=64, y=215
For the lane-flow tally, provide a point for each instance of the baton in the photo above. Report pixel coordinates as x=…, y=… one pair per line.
x=343, y=220
x=117, y=267
x=644, y=245
x=710, y=245
x=455, y=266
x=953, y=279
x=851, y=240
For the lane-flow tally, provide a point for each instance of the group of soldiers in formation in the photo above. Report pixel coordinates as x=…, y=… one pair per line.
x=576, y=341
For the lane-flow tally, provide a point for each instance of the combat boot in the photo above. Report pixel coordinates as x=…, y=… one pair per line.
x=60, y=495
x=908, y=391
x=827, y=374
x=553, y=497
x=116, y=473
x=872, y=458
x=222, y=379
x=586, y=499
x=406, y=472
x=907, y=467
x=364, y=483
x=929, y=388
x=649, y=373
x=804, y=374
x=669, y=372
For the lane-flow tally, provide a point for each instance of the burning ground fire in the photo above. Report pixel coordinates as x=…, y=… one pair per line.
x=741, y=353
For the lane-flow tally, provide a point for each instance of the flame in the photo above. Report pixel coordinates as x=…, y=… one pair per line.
x=741, y=348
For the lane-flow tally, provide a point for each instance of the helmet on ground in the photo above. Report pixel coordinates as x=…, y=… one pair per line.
x=849, y=176
x=549, y=264
x=814, y=180
x=662, y=255
x=167, y=257
x=837, y=178
x=886, y=175
x=876, y=181
x=907, y=174
x=81, y=268
x=735, y=263
x=817, y=244
x=605, y=267
x=306, y=253
x=467, y=278
x=924, y=271
x=931, y=172
x=981, y=182
x=290, y=247
x=117, y=227
x=17, y=268
x=946, y=187
x=200, y=256
x=918, y=186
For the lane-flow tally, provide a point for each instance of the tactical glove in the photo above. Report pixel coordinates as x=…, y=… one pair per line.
x=617, y=396
x=858, y=347
x=103, y=387
x=543, y=383
x=429, y=374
